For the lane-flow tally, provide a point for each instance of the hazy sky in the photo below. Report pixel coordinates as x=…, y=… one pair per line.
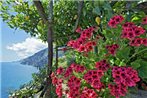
x=17, y=44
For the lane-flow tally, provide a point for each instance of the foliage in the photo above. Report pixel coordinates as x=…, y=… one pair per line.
x=118, y=59
x=38, y=79
x=23, y=15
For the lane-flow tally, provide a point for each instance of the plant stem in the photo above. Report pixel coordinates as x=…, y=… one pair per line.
x=136, y=54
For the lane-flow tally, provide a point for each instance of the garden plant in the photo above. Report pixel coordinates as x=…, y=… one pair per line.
x=105, y=42
x=108, y=61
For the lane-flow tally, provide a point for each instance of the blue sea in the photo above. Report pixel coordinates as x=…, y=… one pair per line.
x=13, y=75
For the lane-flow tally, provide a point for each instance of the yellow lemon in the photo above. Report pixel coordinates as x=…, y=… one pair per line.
x=98, y=20
x=27, y=17
x=75, y=17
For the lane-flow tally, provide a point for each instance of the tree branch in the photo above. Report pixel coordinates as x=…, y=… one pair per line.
x=56, y=57
x=80, y=6
x=41, y=11
x=48, y=93
x=48, y=20
x=143, y=6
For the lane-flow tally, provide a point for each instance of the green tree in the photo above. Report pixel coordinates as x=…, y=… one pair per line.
x=62, y=17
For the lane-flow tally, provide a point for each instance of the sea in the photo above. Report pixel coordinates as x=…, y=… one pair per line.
x=14, y=75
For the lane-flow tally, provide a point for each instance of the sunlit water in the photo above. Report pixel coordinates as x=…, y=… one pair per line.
x=13, y=75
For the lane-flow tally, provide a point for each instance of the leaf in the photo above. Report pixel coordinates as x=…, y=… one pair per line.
x=107, y=6
x=109, y=14
x=128, y=17
x=84, y=12
x=135, y=65
x=145, y=26
x=123, y=53
x=135, y=19
x=97, y=11
x=143, y=69
x=117, y=62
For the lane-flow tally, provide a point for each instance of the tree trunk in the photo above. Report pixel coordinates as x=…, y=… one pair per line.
x=56, y=58
x=80, y=6
x=48, y=93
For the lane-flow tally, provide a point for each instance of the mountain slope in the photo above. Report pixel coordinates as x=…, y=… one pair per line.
x=39, y=59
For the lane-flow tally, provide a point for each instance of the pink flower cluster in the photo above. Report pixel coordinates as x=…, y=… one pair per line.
x=74, y=67
x=59, y=71
x=87, y=46
x=117, y=90
x=130, y=30
x=59, y=90
x=144, y=20
x=79, y=30
x=115, y=20
x=102, y=65
x=83, y=43
x=68, y=72
x=123, y=77
x=88, y=93
x=57, y=82
x=112, y=48
x=78, y=68
x=138, y=41
x=54, y=79
x=74, y=87
x=93, y=77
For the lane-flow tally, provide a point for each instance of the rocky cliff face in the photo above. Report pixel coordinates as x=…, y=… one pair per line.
x=39, y=59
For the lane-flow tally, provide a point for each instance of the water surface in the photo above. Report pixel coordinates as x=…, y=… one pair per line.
x=13, y=75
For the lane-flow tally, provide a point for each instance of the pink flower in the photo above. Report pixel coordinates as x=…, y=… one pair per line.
x=81, y=48
x=74, y=86
x=117, y=90
x=102, y=65
x=60, y=70
x=144, y=41
x=68, y=72
x=115, y=20
x=125, y=75
x=136, y=42
x=70, y=43
x=93, y=77
x=79, y=30
x=59, y=90
x=112, y=24
x=77, y=68
x=144, y=20
x=138, y=31
x=88, y=93
x=97, y=84
x=130, y=31
x=112, y=48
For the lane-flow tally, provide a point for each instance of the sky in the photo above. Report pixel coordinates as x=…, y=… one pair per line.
x=16, y=45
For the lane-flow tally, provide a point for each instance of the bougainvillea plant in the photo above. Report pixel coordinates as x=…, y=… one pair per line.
x=105, y=62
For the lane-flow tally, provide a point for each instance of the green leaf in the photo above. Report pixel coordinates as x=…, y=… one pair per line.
x=145, y=26
x=135, y=19
x=128, y=17
x=97, y=11
x=123, y=53
x=78, y=75
x=135, y=65
x=84, y=12
x=107, y=6
x=122, y=63
x=109, y=14
x=143, y=69
x=117, y=62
